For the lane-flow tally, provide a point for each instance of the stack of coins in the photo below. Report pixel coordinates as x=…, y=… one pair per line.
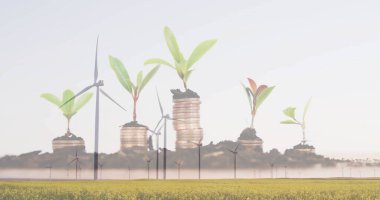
x=67, y=144
x=133, y=138
x=252, y=144
x=187, y=122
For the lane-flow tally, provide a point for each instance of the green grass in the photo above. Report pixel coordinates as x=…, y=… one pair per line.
x=193, y=189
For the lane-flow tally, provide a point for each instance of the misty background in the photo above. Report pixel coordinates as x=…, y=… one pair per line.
x=328, y=50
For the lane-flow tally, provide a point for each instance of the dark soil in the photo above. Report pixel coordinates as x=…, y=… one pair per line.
x=249, y=134
x=303, y=146
x=178, y=94
x=134, y=124
x=67, y=137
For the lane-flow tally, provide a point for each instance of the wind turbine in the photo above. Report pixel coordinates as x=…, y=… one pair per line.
x=97, y=83
x=129, y=172
x=179, y=164
x=234, y=152
x=271, y=169
x=77, y=164
x=101, y=165
x=157, y=133
x=286, y=173
x=199, y=145
x=148, y=160
x=165, y=118
x=50, y=166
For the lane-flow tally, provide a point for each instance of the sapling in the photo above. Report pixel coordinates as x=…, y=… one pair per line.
x=290, y=112
x=70, y=108
x=256, y=96
x=133, y=88
x=183, y=67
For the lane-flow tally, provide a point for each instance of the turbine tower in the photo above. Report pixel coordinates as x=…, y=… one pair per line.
x=234, y=152
x=199, y=145
x=179, y=164
x=97, y=83
x=101, y=165
x=148, y=160
x=50, y=166
x=157, y=133
x=165, y=118
x=77, y=164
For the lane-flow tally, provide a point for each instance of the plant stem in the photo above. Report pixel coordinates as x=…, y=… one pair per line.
x=253, y=118
x=303, y=133
x=68, y=126
x=134, y=109
x=185, y=85
x=253, y=113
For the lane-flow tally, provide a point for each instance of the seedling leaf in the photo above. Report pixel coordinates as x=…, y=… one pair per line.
x=171, y=42
x=68, y=107
x=82, y=100
x=158, y=61
x=289, y=122
x=149, y=76
x=199, y=52
x=261, y=96
x=253, y=85
x=52, y=99
x=306, y=109
x=290, y=112
x=121, y=73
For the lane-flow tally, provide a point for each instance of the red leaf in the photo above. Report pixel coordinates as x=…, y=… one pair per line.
x=253, y=85
x=260, y=89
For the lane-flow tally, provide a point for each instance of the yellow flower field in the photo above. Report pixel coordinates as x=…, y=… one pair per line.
x=193, y=189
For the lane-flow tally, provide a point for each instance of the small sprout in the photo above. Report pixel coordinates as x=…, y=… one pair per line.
x=133, y=88
x=290, y=112
x=183, y=67
x=256, y=97
x=70, y=108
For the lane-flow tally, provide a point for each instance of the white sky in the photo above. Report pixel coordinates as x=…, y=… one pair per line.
x=325, y=49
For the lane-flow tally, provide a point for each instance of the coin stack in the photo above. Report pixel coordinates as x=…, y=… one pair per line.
x=187, y=122
x=67, y=144
x=133, y=138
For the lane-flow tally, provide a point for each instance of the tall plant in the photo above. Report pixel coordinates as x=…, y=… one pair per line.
x=133, y=89
x=183, y=67
x=290, y=112
x=256, y=96
x=71, y=108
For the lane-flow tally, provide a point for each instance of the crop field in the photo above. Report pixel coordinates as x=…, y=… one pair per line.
x=193, y=189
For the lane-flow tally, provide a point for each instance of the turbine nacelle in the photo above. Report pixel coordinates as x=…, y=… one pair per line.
x=99, y=83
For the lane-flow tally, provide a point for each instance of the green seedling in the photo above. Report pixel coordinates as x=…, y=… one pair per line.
x=133, y=88
x=256, y=97
x=183, y=67
x=70, y=108
x=290, y=112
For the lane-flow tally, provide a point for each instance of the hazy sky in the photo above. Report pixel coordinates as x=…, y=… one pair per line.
x=328, y=50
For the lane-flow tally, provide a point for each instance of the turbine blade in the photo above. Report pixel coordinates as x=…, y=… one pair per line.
x=159, y=130
x=156, y=132
x=110, y=98
x=155, y=128
x=151, y=131
x=198, y=144
x=71, y=162
x=77, y=95
x=237, y=146
x=159, y=103
x=96, y=61
x=174, y=119
x=230, y=150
